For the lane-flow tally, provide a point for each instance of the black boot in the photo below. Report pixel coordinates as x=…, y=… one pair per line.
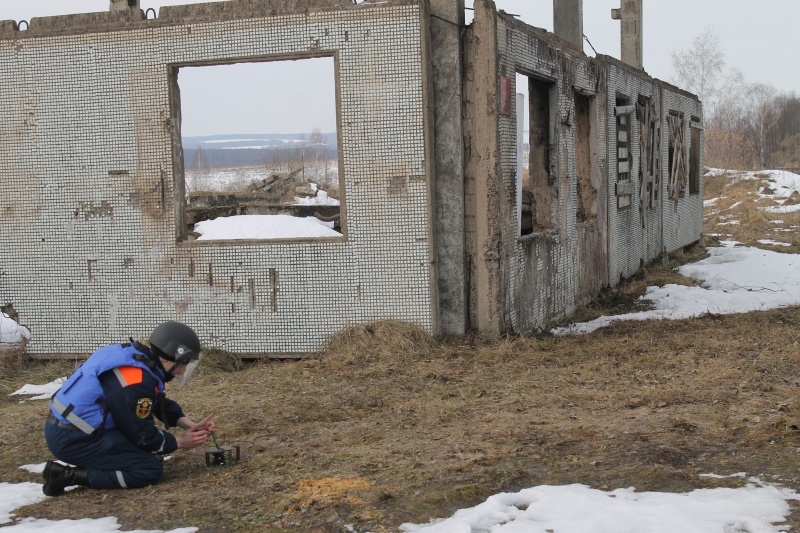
x=57, y=477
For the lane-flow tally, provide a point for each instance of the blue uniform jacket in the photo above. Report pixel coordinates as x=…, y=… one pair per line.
x=122, y=385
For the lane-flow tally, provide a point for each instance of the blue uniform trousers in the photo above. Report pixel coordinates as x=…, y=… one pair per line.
x=111, y=460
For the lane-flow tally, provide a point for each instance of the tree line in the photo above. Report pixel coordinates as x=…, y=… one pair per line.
x=284, y=157
x=748, y=126
x=310, y=159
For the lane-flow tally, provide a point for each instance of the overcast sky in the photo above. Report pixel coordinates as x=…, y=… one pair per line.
x=759, y=38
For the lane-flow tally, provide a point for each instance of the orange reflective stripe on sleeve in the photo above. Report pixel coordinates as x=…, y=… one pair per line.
x=129, y=375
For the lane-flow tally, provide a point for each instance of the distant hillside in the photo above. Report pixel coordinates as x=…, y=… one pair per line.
x=220, y=151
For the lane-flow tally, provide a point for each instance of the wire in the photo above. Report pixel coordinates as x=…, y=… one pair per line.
x=590, y=44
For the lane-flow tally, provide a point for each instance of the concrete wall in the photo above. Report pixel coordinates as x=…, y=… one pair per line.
x=682, y=220
x=447, y=22
x=91, y=179
x=524, y=282
x=634, y=231
x=483, y=220
x=640, y=233
x=91, y=174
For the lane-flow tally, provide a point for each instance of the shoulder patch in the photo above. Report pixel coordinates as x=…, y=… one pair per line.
x=129, y=375
x=144, y=407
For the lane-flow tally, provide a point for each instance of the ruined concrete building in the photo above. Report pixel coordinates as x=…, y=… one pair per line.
x=452, y=217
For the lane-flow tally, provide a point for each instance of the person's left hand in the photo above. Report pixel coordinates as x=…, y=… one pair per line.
x=207, y=424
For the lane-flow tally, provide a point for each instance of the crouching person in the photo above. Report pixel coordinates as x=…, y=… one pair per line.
x=102, y=419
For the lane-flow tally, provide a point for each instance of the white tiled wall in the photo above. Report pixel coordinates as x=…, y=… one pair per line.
x=87, y=188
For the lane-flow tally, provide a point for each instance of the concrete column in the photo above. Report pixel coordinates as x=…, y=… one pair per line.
x=630, y=17
x=446, y=23
x=483, y=172
x=122, y=5
x=568, y=21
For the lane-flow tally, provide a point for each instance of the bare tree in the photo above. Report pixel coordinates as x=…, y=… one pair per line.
x=788, y=154
x=787, y=128
x=761, y=115
x=294, y=155
x=200, y=162
x=198, y=178
x=726, y=143
x=738, y=116
x=700, y=68
x=319, y=154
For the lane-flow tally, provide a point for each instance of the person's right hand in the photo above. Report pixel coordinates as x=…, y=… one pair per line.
x=193, y=437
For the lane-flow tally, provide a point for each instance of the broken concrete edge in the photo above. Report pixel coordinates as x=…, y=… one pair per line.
x=7, y=26
x=552, y=38
x=134, y=19
x=638, y=72
x=569, y=47
x=248, y=8
x=99, y=21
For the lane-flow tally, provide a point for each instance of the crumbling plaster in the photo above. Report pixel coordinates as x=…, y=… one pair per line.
x=526, y=282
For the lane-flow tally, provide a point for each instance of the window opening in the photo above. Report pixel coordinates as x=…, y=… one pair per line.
x=649, y=150
x=538, y=187
x=259, y=150
x=623, y=111
x=585, y=148
x=694, y=157
x=677, y=159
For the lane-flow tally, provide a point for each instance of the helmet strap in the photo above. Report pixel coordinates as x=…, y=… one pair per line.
x=168, y=375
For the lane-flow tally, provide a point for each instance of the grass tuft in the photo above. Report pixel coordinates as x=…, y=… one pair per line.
x=378, y=341
x=12, y=361
x=218, y=360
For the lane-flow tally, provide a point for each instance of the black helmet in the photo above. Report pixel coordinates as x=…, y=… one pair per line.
x=176, y=342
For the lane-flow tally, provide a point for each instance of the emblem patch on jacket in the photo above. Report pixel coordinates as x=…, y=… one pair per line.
x=143, y=407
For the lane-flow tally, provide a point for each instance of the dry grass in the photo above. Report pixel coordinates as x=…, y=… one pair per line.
x=389, y=425
x=378, y=341
x=738, y=214
x=13, y=360
x=374, y=437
